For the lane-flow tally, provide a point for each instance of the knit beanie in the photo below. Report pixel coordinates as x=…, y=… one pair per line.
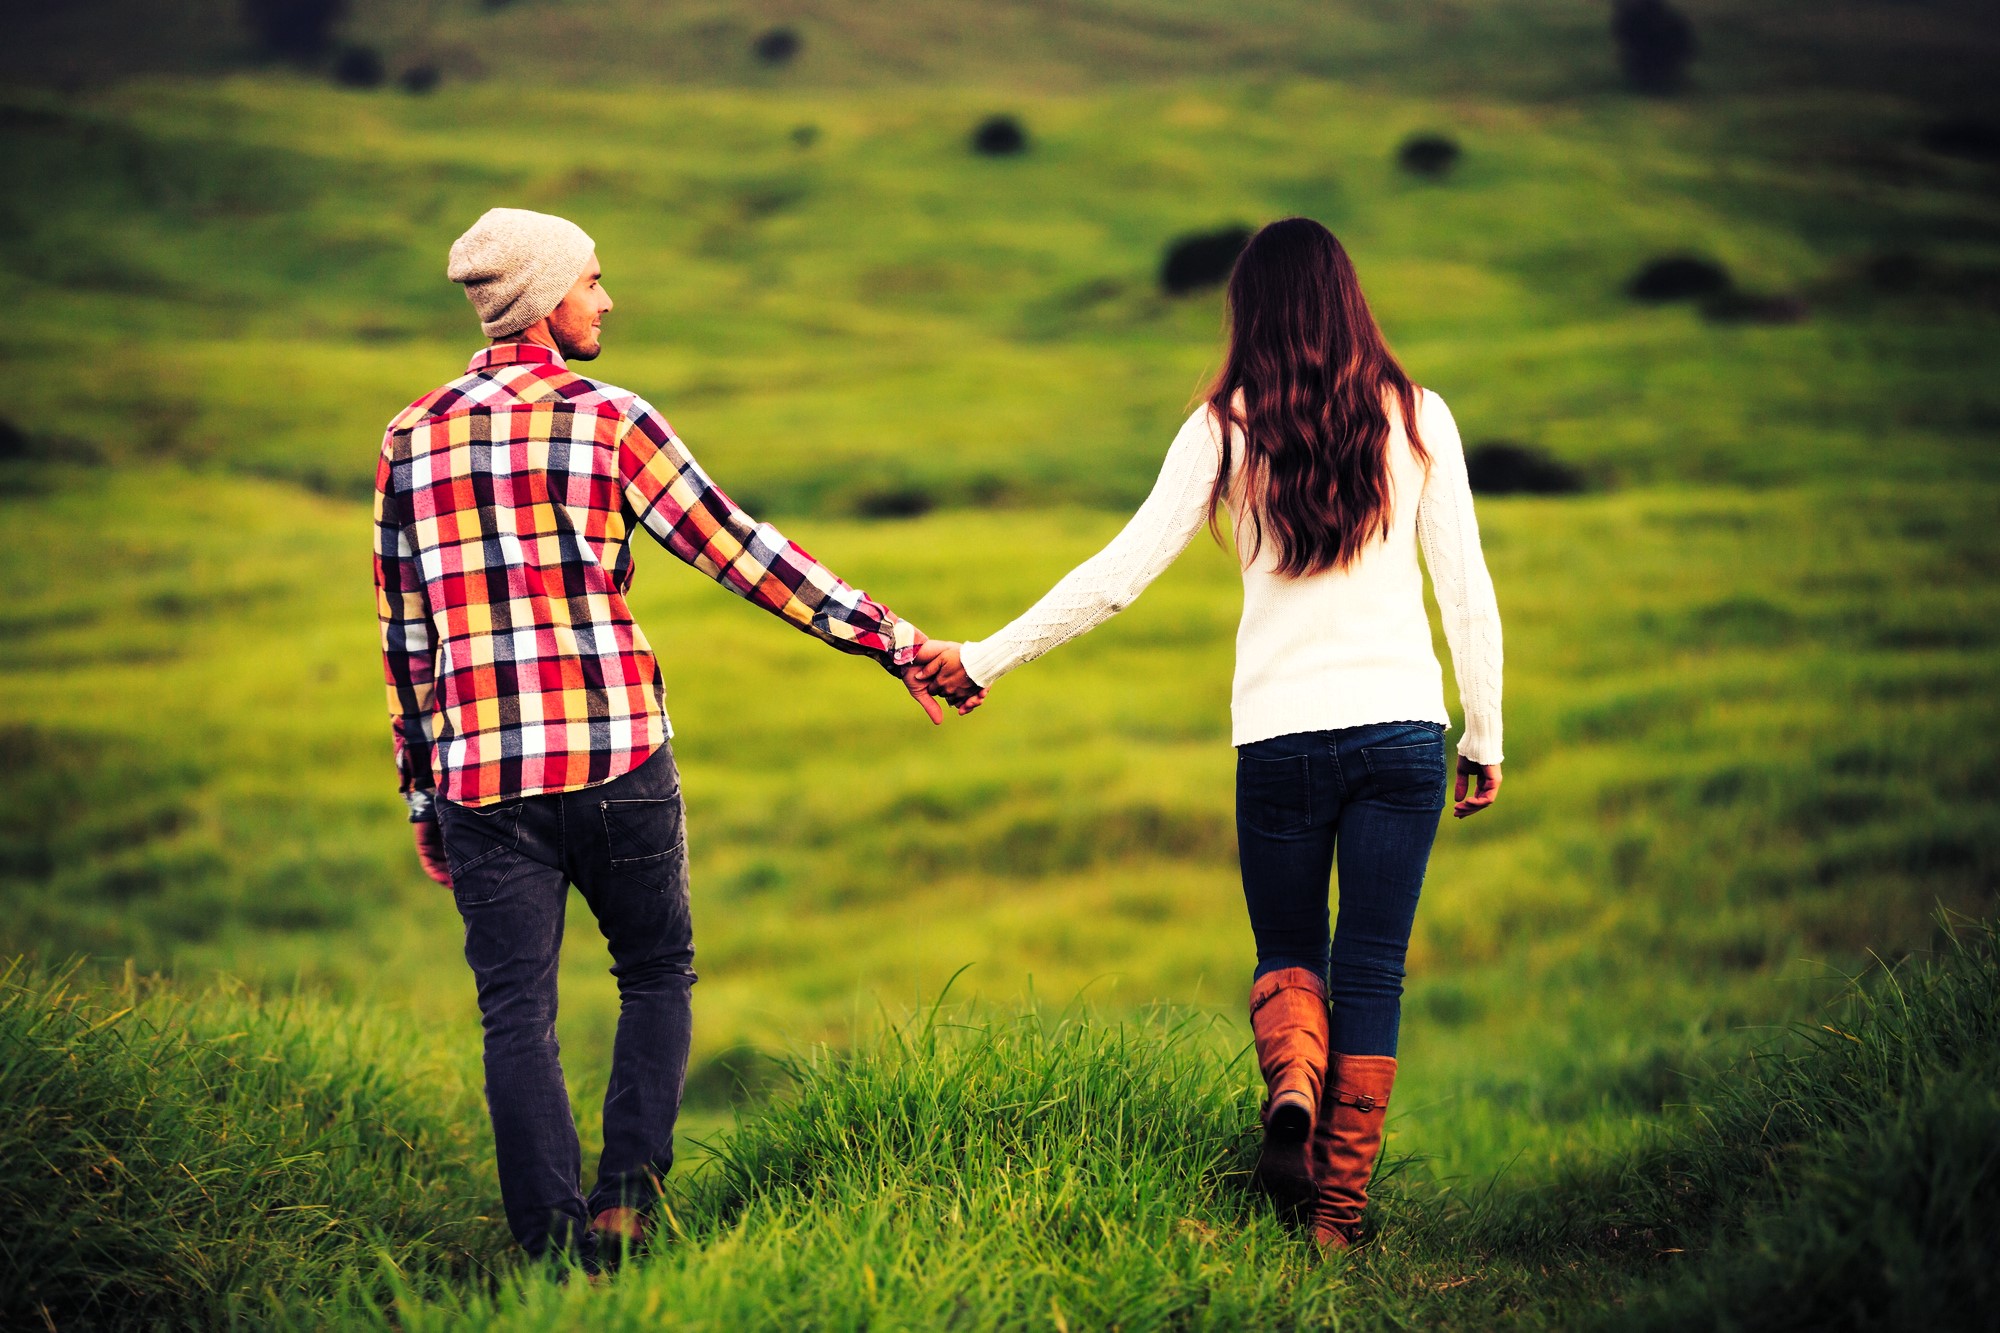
x=517, y=266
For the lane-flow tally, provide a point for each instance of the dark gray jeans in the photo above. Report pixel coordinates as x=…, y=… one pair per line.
x=623, y=845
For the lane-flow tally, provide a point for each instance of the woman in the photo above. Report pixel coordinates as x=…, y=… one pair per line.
x=1335, y=469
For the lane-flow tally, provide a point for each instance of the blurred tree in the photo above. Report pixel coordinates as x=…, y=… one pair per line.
x=1656, y=42
x=1678, y=278
x=777, y=46
x=1428, y=154
x=999, y=136
x=358, y=67
x=1201, y=259
x=299, y=30
x=1502, y=467
x=421, y=79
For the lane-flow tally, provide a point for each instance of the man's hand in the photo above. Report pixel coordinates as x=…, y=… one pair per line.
x=1483, y=791
x=430, y=849
x=941, y=669
x=921, y=692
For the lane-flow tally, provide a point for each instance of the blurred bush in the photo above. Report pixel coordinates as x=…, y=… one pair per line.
x=895, y=502
x=1656, y=43
x=777, y=46
x=1428, y=154
x=1965, y=137
x=1502, y=467
x=359, y=67
x=1678, y=278
x=300, y=30
x=1201, y=259
x=1734, y=307
x=421, y=79
x=999, y=136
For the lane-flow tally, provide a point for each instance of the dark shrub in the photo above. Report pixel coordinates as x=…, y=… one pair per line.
x=1502, y=467
x=777, y=46
x=421, y=79
x=358, y=67
x=1428, y=154
x=1963, y=137
x=293, y=29
x=1202, y=259
x=895, y=502
x=805, y=136
x=13, y=441
x=737, y=1076
x=1678, y=278
x=999, y=136
x=1895, y=271
x=1655, y=44
x=1734, y=307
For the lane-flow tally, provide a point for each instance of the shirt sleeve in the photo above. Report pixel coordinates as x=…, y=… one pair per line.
x=690, y=515
x=409, y=660
x=1112, y=580
x=1448, y=531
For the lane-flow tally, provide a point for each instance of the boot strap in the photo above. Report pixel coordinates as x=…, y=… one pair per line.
x=1360, y=1101
x=1280, y=991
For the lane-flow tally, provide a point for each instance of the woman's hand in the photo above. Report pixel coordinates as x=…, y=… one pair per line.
x=1484, y=789
x=940, y=670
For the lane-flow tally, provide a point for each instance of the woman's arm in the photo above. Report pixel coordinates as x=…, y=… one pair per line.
x=1449, y=535
x=1108, y=582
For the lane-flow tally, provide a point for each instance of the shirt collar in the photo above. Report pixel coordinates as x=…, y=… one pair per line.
x=515, y=353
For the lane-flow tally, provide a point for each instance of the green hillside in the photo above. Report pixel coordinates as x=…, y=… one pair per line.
x=1751, y=666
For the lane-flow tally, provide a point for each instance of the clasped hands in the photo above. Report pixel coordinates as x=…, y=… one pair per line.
x=937, y=674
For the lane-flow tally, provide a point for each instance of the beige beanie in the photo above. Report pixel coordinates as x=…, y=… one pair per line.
x=517, y=266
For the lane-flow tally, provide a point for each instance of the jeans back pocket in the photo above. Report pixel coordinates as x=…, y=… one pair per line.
x=1274, y=793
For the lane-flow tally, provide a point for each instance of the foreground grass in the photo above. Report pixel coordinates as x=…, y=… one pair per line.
x=212, y=1159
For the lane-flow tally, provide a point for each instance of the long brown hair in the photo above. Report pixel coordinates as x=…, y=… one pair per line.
x=1315, y=374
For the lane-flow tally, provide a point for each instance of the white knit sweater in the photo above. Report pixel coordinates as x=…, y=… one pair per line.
x=1335, y=649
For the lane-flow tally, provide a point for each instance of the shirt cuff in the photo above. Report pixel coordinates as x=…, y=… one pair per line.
x=902, y=650
x=423, y=805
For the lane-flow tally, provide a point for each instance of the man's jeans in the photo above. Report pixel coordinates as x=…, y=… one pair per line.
x=624, y=846
x=1371, y=797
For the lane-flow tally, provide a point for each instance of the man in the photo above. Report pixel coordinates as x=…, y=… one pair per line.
x=528, y=709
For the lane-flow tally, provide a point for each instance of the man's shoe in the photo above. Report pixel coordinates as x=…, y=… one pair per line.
x=621, y=1234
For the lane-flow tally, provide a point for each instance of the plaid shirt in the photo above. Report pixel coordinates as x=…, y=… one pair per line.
x=504, y=504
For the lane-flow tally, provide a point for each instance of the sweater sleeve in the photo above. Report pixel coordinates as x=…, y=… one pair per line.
x=1111, y=580
x=1449, y=535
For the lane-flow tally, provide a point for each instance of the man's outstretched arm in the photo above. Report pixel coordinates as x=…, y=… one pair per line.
x=693, y=518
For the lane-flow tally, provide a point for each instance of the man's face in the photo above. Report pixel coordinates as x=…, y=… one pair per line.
x=579, y=320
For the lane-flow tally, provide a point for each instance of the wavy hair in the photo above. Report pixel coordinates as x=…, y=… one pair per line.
x=1315, y=376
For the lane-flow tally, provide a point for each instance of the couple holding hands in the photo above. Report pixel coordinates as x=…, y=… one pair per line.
x=532, y=740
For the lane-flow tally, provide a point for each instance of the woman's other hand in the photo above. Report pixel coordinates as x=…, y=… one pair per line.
x=1483, y=780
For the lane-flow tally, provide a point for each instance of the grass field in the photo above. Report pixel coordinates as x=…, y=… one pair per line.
x=1751, y=671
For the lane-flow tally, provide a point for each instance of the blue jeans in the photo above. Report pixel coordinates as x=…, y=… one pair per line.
x=623, y=845
x=1369, y=797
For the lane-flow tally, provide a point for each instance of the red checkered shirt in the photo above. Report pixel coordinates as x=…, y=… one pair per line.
x=504, y=504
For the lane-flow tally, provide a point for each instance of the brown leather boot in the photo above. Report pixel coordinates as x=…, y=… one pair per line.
x=1288, y=1018
x=1347, y=1138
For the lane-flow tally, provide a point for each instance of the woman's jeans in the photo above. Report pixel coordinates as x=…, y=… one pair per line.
x=623, y=845
x=1369, y=798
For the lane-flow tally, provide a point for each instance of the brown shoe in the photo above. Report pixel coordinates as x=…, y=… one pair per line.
x=621, y=1234
x=1347, y=1138
x=1288, y=1019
